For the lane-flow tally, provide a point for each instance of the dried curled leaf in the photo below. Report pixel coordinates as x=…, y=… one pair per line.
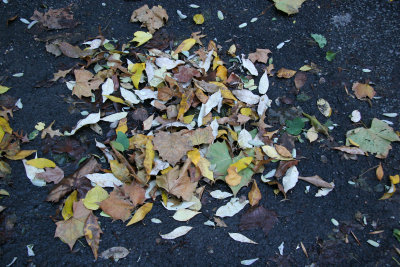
x=153, y=19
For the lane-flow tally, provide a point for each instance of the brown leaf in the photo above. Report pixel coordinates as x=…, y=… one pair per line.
x=254, y=194
x=299, y=80
x=177, y=184
x=69, y=145
x=165, y=93
x=135, y=192
x=153, y=19
x=140, y=114
x=379, y=172
x=350, y=150
x=283, y=151
x=92, y=233
x=363, y=90
x=159, y=41
x=200, y=136
x=60, y=74
x=261, y=55
x=50, y=132
x=219, y=222
x=74, y=181
x=284, y=166
x=85, y=83
x=57, y=19
x=117, y=206
x=172, y=146
x=73, y=51
x=316, y=180
x=51, y=175
x=185, y=74
x=258, y=217
x=197, y=36
x=285, y=73
x=53, y=48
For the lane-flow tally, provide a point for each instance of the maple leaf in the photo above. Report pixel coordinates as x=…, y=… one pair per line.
x=92, y=233
x=363, y=90
x=135, y=192
x=261, y=55
x=117, y=206
x=50, y=132
x=61, y=18
x=60, y=74
x=177, y=183
x=197, y=36
x=172, y=146
x=85, y=83
x=152, y=19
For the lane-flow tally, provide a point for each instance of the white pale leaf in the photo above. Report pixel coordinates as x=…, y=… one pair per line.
x=31, y=172
x=263, y=104
x=212, y=102
x=107, y=88
x=146, y=94
x=173, y=206
x=94, y=44
x=264, y=84
x=115, y=117
x=241, y=238
x=248, y=262
x=184, y=215
x=281, y=247
x=155, y=220
x=324, y=191
x=159, y=165
x=207, y=62
x=70, y=85
x=249, y=66
x=181, y=15
x=149, y=70
x=129, y=96
x=246, y=96
x=209, y=223
x=90, y=119
x=149, y=190
x=214, y=126
x=312, y=134
x=256, y=142
x=244, y=138
x=218, y=194
x=168, y=63
x=105, y=150
x=104, y=179
x=355, y=116
x=158, y=77
x=290, y=179
x=177, y=232
x=231, y=208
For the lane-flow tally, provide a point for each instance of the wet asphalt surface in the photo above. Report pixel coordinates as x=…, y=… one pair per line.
x=364, y=33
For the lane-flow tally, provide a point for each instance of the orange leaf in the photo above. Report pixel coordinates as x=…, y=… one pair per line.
x=254, y=194
x=379, y=172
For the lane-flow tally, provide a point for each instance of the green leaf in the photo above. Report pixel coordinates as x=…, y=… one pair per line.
x=33, y=135
x=219, y=158
x=320, y=39
x=288, y=6
x=118, y=146
x=295, y=126
x=375, y=139
x=396, y=233
x=317, y=125
x=330, y=55
x=303, y=97
x=123, y=140
x=109, y=46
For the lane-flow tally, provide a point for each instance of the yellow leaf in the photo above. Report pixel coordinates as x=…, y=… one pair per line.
x=242, y=163
x=115, y=99
x=94, y=196
x=4, y=124
x=204, y=166
x=137, y=70
x=271, y=152
x=227, y=94
x=164, y=197
x=119, y=170
x=220, y=85
x=217, y=61
x=188, y=119
x=395, y=179
x=4, y=192
x=194, y=156
x=324, y=107
x=165, y=171
x=233, y=178
x=221, y=133
x=254, y=194
x=149, y=157
x=21, y=154
x=122, y=127
x=3, y=89
x=185, y=104
x=1, y=134
x=246, y=111
x=141, y=37
x=138, y=141
x=140, y=213
x=198, y=19
x=233, y=134
x=67, y=211
x=40, y=126
x=186, y=45
x=353, y=143
x=41, y=163
x=222, y=73
x=306, y=68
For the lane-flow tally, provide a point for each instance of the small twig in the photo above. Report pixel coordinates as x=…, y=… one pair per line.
x=370, y=169
x=358, y=241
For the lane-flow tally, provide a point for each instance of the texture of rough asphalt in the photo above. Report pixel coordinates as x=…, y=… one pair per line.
x=364, y=33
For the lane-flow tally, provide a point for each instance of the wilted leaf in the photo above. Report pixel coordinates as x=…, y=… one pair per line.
x=135, y=192
x=21, y=154
x=246, y=96
x=317, y=181
x=261, y=55
x=264, y=84
x=50, y=131
x=92, y=232
x=285, y=73
x=241, y=238
x=117, y=206
x=254, y=194
x=220, y=159
x=73, y=51
x=164, y=141
x=350, y=150
x=312, y=134
x=231, y=208
x=3, y=89
x=289, y=6
x=51, y=175
x=61, y=18
x=375, y=139
x=300, y=79
x=317, y=125
x=115, y=253
x=41, y=163
x=290, y=179
x=185, y=74
x=258, y=217
x=86, y=82
x=249, y=262
x=184, y=215
x=249, y=66
x=90, y=119
x=140, y=213
x=186, y=45
x=363, y=90
x=324, y=107
x=153, y=19
x=177, y=232
x=284, y=166
x=325, y=191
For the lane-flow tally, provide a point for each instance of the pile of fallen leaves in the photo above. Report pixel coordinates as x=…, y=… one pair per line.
x=204, y=121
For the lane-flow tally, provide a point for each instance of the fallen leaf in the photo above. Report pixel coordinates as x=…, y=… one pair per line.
x=285, y=73
x=249, y=262
x=241, y=238
x=104, y=179
x=67, y=210
x=184, y=215
x=54, y=175
x=264, y=84
x=41, y=163
x=330, y=55
x=186, y=45
x=363, y=90
x=312, y=134
x=317, y=181
x=115, y=253
x=86, y=82
x=258, y=217
x=73, y=51
x=185, y=74
x=254, y=194
x=379, y=172
x=324, y=107
x=231, y=208
x=57, y=19
x=218, y=194
x=177, y=232
x=92, y=232
x=140, y=213
x=117, y=206
x=3, y=89
x=300, y=79
x=153, y=19
x=376, y=139
x=319, y=39
x=90, y=119
x=283, y=151
x=249, y=66
x=290, y=179
x=94, y=197
x=261, y=55
x=350, y=150
x=51, y=132
x=163, y=141
x=325, y=191
x=246, y=96
x=198, y=19
x=141, y=37
x=136, y=193
x=290, y=7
